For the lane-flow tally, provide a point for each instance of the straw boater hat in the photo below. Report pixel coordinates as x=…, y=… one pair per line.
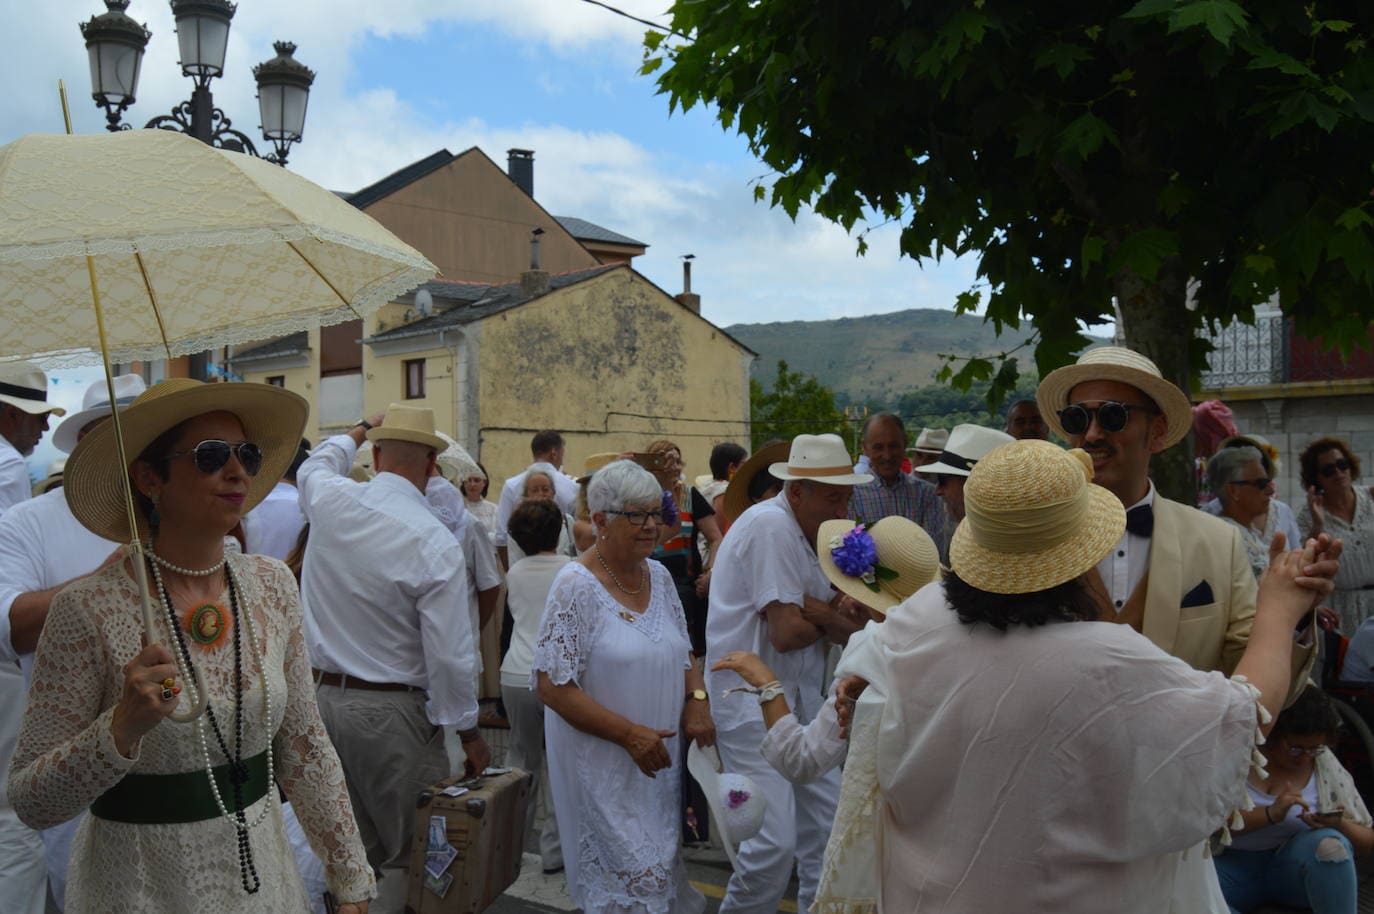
x=24, y=386
x=1114, y=363
x=902, y=546
x=408, y=423
x=819, y=458
x=96, y=405
x=1033, y=519
x=594, y=463
x=737, y=492
x=930, y=441
x=273, y=418
x=966, y=446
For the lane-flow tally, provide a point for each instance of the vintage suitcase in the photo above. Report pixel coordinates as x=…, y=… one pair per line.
x=467, y=847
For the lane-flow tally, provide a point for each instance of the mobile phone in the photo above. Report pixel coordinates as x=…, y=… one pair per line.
x=650, y=462
x=1328, y=813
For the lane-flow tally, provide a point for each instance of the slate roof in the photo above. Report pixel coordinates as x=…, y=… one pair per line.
x=291, y=344
x=583, y=230
x=398, y=179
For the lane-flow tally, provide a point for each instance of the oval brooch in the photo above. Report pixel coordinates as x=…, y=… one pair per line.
x=207, y=624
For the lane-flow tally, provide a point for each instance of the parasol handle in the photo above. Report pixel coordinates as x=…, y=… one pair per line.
x=198, y=698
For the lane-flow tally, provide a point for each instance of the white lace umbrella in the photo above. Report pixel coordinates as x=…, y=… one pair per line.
x=149, y=244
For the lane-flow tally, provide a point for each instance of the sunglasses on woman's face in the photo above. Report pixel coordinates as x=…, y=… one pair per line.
x=211, y=455
x=1111, y=416
x=1336, y=466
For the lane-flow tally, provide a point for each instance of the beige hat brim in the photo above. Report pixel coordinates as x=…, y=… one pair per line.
x=736, y=500
x=386, y=433
x=1028, y=572
x=883, y=599
x=32, y=407
x=272, y=417
x=782, y=471
x=1053, y=395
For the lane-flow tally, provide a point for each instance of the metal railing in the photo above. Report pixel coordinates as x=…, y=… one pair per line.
x=1248, y=355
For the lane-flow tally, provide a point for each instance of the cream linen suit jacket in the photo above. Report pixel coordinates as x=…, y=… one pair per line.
x=1201, y=593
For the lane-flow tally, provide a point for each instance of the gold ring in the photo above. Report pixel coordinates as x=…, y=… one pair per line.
x=168, y=683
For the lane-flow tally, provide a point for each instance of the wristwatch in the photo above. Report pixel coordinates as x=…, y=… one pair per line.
x=769, y=692
x=697, y=695
x=363, y=424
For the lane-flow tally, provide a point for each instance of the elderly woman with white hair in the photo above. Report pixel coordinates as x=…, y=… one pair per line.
x=539, y=484
x=613, y=663
x=1244, y=489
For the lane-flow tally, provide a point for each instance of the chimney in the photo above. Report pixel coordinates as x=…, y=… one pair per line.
x=687, y=297
x=534, y=281
x=520, y=167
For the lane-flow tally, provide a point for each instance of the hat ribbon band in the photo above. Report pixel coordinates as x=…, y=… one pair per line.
x=1020, y=530
x=23, y=393
x=820, y=471
x=105, y=404
x=951, y=459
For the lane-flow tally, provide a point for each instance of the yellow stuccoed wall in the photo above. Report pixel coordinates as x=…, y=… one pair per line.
x=303, y=381
x=612, y=344
x=384, y=383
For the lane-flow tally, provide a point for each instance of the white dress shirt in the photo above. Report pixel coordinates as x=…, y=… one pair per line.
x=513, y=492
x=528, y=585
x=384, y=590
x=764, y=559
x=1128, y=561
x=447, y=504
x=274, y=526
x=14, y=476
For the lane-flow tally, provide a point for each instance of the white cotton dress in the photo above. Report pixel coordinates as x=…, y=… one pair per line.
x=1353, y=597
x=619, y=828
x=66, y=758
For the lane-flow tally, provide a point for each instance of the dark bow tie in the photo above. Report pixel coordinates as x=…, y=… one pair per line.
x=1140, y=520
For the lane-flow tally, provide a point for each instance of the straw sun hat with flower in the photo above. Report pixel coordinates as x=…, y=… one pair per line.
x=1033, y=519
x=880, y=566
x=273, y=418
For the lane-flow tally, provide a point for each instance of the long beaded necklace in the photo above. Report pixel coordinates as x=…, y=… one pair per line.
x=622, y=587
x=238, y=775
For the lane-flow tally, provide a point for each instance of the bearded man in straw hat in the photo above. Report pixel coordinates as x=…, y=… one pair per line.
x=24, y=411
x=770, y=596
x=388, y=628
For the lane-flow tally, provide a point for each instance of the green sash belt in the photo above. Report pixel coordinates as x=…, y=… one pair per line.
x=170, y=799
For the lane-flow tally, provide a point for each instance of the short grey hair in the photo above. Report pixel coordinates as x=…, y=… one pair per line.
x=1226, y=466
x=539, y=468
x=621, y=483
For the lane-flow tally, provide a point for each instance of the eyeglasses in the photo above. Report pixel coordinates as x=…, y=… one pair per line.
x=1111, y=416
x=1300, y=751
x=1331, y=469
x=1260, y=484
x=212, y=454
x=640, y=518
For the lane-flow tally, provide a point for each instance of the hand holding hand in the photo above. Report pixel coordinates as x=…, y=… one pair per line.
x=750, y=667
x=1297, y=581
x=646, y=748
x=143, y=706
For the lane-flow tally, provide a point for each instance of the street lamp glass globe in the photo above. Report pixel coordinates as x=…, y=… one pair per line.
x=114, y=43
x=283, y=92
x=203, y=35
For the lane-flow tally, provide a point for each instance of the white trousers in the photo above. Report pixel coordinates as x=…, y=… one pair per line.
x=796, y=826
x=23, y=868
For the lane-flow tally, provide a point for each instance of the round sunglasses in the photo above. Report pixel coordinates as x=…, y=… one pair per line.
x=1111, y=416
x=212, y=454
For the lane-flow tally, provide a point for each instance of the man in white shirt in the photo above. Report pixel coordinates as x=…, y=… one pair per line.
x=545, y=447
x=388, y=629
x=24, y=411
x=274, y=526
x=42, y=548
x=769, y=596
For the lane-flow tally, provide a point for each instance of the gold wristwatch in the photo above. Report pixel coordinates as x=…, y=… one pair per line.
x=696, y=695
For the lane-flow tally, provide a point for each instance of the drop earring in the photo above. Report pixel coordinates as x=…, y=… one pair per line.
x=154, y=518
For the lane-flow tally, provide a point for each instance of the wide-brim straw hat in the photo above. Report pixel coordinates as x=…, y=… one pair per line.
x=967, y=445
x=24, y=386
x=273, y=418
x=414, y=424
x=819, y=458
x=1033, y=519
x=594, y=463
x=737, y=492
x=902, y=546
x=95, y=405
x=1115, y=363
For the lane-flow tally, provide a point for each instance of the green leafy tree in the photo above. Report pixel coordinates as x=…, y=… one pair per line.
x=797, y=403
x=1187, y=158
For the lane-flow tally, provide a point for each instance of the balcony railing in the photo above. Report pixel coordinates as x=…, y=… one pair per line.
x=1269, y=352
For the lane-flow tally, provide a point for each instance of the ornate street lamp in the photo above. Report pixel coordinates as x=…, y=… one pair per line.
x=115, y=43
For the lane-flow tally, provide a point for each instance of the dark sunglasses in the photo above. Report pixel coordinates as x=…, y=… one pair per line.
x=1331, y=469
x=1111, y=416
x=1260, y=484
x=212, y=454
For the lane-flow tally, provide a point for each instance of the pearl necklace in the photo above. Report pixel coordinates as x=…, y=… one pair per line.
x=188, y=572
x=190, y=682
x=622, y=587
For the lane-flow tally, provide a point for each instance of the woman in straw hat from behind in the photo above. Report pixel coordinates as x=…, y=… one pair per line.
x=1033, y=758
x=184, y=816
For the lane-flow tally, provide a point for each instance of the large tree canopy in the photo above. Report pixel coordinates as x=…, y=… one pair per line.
x=1081, y=150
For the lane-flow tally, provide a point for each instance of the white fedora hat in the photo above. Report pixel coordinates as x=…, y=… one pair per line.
x=1115, y=363
x=24, y=386
x=737, y=807
x=408, y=423
x=819, y=458
x=96, y=405
x=967, y=445
x=930, y=441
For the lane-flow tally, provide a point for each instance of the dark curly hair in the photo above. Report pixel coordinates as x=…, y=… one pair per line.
x=535, y=526
x=1067, y=602
x=1310, y=476
x=1310, y=713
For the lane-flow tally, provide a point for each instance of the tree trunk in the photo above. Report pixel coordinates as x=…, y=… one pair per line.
x=1159, y=327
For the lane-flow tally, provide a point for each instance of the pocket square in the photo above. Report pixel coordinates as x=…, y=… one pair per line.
x=1200, y=595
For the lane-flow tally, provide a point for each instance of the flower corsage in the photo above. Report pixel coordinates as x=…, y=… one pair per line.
x=670, y=512
x=856, y=555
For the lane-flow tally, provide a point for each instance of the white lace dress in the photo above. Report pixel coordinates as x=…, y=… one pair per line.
x=619, y=828
x=66, y=757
